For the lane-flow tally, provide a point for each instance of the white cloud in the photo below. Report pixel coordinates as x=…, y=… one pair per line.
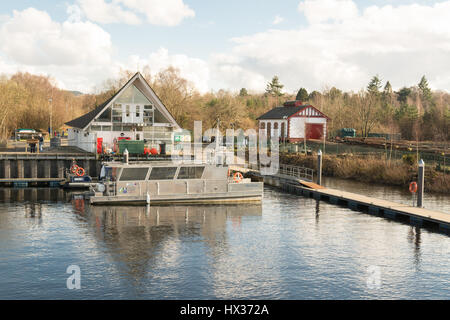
x=399, y=43
x=33, y=38
x=103, y=12
x=76, y=53
x=346, y=49
x=74, y=13
x=277, y=20
x=194, y=70
x=157, y=12
x=317, y=11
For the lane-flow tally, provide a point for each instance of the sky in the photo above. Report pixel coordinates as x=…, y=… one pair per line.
x=233, y=44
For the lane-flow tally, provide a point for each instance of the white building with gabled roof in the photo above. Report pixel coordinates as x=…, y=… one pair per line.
x=135, y=112
x=294, y=122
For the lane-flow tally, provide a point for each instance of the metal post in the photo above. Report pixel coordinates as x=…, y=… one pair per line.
x=60, y=168
x=421, y=183
x=34, y=168
x=7, y=168
x=20, y=169
x=126, y=155
x=47, y=169
x=319, y=167
x=51, y=113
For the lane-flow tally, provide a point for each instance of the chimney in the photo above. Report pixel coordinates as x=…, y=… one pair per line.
x=294, y=103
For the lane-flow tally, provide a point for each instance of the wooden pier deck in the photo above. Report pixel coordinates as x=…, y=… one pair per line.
x=374, y=206
x=377, y=206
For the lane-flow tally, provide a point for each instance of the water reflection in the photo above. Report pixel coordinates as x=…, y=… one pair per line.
x=317, y=209
x=290, y=248
x=414, y=237
x=139, y=238
x=38, y=195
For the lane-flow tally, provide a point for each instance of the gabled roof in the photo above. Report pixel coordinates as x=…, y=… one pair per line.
x=281, y=112
x=83, y=121
x=87, y=118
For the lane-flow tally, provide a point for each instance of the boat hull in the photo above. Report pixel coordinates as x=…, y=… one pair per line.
x=179, y=199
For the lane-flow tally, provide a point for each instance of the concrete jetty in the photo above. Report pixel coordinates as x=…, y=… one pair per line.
x=25, y=169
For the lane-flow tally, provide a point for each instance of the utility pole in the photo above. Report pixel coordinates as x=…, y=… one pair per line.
x=217, y=141
x=51, y=112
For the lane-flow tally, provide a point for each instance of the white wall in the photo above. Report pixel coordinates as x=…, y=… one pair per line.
x=297, y=126
x=82, y=140
x=272, y=123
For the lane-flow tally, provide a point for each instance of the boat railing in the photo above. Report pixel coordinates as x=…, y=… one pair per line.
x=112, y=188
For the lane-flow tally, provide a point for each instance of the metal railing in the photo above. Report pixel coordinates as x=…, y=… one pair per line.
x=297, y=172
x=288, y=170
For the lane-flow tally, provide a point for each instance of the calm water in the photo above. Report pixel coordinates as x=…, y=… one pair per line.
x=287, y=248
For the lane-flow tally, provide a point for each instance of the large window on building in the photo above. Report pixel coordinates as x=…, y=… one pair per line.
x=132, y=95
x=190, y=172
x=148, y=114
x=138, y=111
x=163, y=173
x=105, y=116
x=117, y=113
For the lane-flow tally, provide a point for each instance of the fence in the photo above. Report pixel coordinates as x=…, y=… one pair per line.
x=441, y=161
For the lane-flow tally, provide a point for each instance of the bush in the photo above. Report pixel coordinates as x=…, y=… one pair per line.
x=409, y=159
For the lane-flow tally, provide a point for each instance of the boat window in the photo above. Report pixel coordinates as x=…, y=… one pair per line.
x=133, y=174
x=163, y=173
x=191, y=172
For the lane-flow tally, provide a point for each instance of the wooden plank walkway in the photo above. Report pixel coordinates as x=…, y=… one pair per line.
x=389, y=207
x=355, y=201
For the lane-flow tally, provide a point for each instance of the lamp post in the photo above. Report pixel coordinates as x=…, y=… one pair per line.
x=51, y=112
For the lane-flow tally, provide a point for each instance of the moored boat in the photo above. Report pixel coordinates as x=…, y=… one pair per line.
x=169, y=183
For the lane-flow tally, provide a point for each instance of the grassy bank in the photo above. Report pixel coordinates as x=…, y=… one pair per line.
x=372, y=170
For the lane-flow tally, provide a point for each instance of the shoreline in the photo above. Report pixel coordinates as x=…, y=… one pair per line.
x=372, y=169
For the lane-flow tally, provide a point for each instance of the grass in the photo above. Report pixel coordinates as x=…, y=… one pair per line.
x=372, y=169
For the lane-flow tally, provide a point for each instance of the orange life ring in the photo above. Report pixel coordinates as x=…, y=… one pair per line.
x=413, y=187
x=74, y=169
x=237, y=177
x=80, y=172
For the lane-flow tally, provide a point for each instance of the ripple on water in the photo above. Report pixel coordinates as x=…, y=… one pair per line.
x=288, y=248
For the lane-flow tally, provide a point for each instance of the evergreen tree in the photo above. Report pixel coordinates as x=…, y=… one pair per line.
x=425, y=92
x=243, y=92
x=314, y=95
x=403, y=95
x=274, y=87
x=387, y=89
x=302, y=95
x=374, y=86
x=387, y=95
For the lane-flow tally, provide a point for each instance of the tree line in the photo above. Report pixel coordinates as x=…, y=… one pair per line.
x=417, y=112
